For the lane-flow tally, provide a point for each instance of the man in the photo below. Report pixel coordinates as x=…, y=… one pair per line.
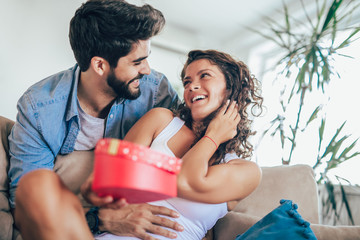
x=108, y=90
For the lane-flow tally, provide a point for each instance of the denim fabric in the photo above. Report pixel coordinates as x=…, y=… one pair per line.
x=47, y=122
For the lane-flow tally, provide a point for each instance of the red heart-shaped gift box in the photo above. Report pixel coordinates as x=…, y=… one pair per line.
x=137, y=173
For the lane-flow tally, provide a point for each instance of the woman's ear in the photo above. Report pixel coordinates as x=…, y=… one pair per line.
x=99, y=65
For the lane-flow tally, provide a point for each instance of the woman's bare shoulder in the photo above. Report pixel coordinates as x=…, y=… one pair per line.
x=160, y=117
x=161, y=112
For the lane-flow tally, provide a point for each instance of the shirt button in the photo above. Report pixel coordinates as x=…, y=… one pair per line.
x=111, y=116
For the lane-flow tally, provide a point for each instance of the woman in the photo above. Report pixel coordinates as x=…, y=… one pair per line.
x=210, y=133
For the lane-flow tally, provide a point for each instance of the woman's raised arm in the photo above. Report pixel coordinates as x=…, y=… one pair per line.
x=223, y=182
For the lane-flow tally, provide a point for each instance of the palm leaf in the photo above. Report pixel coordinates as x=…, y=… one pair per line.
x=346, y=151
x=321, y=134
x=320, y=14
x=345, y=201
x=331, y=13
x=265, y=36
x=354, y=155
x=321, y=130
x=306, y=14
x=332, y=143
x=313, y=116
x=331, y=201
x=347, y=41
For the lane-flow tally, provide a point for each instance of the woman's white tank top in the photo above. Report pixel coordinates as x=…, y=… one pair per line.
x=196, y=218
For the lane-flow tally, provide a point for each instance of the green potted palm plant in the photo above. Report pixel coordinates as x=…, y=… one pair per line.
x=307, y=66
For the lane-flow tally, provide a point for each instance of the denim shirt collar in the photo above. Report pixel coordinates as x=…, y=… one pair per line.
x=72, y=110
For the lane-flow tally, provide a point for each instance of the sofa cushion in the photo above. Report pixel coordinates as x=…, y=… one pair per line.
x=295, y=182
x=6, y=219
x=233, y=224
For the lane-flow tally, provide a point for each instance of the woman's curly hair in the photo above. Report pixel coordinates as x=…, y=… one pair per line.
x=242, y=87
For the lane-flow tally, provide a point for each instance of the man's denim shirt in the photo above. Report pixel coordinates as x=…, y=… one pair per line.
x=47, y=122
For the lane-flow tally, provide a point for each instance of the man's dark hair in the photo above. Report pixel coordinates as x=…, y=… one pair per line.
x=109, y=28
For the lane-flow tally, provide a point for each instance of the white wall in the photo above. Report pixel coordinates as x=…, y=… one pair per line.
x=34, y=44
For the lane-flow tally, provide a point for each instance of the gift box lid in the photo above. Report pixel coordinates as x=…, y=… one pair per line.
x=126, y=170
x=135, y=152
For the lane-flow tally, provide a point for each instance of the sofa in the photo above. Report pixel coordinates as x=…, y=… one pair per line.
x=295, y=182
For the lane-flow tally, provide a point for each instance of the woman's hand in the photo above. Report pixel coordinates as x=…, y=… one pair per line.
x=224, y=126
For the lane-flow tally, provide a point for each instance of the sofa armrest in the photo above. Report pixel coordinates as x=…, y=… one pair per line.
x=325, y=232
x=6, y=219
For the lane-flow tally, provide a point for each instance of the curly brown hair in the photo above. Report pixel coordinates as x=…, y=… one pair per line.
x=242, y=87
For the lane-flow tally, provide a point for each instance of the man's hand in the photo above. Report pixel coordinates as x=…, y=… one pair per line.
x=93, y=198
x=120, y=218
x=139, y=220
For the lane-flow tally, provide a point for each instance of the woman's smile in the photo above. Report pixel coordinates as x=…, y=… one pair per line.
x=205, y=88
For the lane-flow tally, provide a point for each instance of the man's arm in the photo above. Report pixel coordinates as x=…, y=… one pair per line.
x=137, y=220
x=27, y=148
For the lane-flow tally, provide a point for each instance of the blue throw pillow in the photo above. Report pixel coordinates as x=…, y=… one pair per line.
x=284, y=222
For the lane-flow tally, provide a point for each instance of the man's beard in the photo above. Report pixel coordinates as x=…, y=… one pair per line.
x=121, y=88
